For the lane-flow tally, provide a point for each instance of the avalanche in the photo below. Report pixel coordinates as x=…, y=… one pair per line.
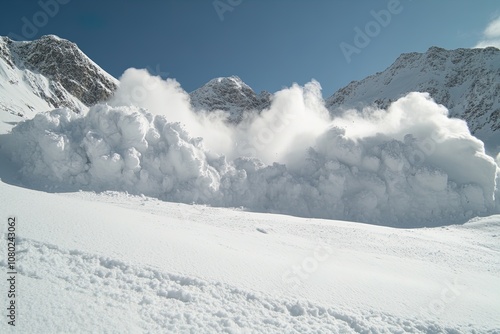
x=407, y=166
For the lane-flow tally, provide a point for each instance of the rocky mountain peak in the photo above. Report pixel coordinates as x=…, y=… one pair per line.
x=61, y=60
x=49, y=73
x=229, y=94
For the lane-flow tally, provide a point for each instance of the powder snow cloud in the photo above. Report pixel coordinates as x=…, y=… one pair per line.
x=491, y=35
x=409, y=165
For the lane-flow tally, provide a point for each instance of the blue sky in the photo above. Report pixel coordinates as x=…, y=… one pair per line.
x=268, y=43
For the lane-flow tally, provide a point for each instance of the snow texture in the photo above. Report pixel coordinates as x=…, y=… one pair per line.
x=409, y=165
x=117, y=263
x=155, y=301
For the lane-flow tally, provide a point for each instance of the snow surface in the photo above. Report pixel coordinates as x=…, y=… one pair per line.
x=116, y=263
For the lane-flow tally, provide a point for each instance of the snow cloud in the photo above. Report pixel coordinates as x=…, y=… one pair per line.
x=409, y=165
x=491, y=35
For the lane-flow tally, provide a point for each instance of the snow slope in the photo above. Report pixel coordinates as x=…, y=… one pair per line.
x=119, y=264
x=466, y=81
x=49, y=73
x=116, y=263
x=24, y=92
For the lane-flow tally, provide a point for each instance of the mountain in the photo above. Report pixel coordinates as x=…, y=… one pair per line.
x=49, y=73
x=229, y=94
x=466, y=81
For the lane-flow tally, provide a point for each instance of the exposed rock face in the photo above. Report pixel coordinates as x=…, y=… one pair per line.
x=55, y=70
x=5, y=54
x=229, y=94
x=62, y=60
x=466, y=81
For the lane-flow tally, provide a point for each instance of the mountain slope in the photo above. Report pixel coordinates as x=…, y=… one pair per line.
x=49, y=73
x=229, y=94
x=466, y=81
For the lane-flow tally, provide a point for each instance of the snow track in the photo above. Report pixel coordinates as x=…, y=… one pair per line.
x=155, y=301
x=115, y=263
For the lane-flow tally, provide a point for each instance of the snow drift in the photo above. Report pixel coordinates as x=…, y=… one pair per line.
x=409, y=165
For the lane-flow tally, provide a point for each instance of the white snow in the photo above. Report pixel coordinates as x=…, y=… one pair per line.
x=118, y=263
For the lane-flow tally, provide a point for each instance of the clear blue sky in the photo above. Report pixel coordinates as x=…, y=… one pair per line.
x=268, y=43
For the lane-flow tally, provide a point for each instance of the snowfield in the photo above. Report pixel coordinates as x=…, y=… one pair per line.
x=125, y=264
x=108, y=240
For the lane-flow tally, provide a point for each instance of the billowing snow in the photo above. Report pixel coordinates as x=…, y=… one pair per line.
x=409, y=165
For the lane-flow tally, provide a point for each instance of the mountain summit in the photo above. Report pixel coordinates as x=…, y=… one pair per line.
x=229, y=94
x=49, y=73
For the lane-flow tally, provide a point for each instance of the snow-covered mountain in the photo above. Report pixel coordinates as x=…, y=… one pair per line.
x=466, y=81
x=49, y=73
x=229, y=94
